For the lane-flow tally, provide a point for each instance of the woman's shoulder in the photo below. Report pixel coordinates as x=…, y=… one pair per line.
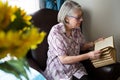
x=58, y=28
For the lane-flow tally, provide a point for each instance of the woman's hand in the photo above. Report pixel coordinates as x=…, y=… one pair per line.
x=94, y=54
x=91, y=44
x=99, y=39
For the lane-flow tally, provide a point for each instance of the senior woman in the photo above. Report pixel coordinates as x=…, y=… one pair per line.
x=65, y=42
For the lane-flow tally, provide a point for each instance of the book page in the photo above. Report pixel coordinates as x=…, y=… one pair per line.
x=104, y=43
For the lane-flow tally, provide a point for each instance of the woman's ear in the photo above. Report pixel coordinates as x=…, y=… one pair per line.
x=66, y=20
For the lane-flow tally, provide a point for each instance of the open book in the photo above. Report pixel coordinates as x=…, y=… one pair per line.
x=108, y=55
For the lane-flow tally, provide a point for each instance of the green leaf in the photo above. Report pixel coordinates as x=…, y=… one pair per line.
x=16, y=67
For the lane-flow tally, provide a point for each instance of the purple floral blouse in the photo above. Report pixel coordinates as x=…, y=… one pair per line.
x=61, y=44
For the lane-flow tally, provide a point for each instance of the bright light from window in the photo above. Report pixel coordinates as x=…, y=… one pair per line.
x=30, y=6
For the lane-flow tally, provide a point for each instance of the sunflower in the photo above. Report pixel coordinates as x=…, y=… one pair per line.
x=17, y=36
x=5, y=15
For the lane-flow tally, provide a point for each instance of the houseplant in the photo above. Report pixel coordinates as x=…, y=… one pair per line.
x=17, y=36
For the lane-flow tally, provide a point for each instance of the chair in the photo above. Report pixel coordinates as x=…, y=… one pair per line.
x=45, y=19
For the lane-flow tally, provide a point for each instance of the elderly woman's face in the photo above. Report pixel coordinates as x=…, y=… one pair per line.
x=75, y=19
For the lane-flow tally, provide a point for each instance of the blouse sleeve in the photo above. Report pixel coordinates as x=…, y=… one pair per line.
x=81, y=38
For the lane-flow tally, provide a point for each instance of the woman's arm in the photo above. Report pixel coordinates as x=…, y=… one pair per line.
x=87, y=46
x=90, y=44
x=73, y=59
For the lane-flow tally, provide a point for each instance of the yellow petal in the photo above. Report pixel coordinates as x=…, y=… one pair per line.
x=13, y=17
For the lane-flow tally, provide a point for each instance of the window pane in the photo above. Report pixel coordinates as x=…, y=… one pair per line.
x=29, y=6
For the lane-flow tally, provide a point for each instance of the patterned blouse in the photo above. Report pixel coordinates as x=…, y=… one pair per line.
x=61, y=44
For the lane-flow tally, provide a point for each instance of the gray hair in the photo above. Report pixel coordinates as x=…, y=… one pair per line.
x=67, y=8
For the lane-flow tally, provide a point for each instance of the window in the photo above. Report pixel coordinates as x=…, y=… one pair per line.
x=30, y=6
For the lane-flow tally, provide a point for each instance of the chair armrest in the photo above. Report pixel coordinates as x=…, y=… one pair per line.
x=109, y=72
x=33, y=64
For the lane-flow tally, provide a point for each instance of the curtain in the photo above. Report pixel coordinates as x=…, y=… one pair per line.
x=53, y=4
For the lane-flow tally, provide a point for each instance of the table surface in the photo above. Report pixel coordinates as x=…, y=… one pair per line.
x=32, y=74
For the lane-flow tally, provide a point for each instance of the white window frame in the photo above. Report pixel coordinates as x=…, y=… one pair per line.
x=30, y=6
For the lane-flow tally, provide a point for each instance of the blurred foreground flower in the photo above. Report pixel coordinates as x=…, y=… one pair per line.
x=17, y=36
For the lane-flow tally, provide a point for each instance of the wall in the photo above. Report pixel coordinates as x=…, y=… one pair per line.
x=102, y=19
